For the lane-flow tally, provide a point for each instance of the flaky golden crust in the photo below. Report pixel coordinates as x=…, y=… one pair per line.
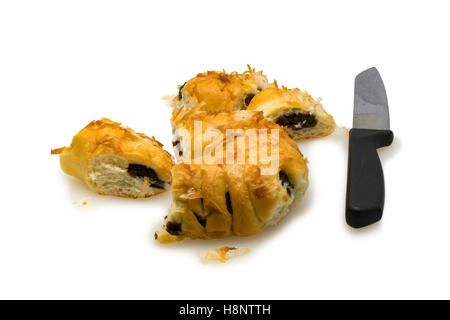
x=106, y=137
x=275, y=102
x=255, y=200
x=216, y=91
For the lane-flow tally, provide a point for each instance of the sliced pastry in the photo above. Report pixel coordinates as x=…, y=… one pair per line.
x=296, y=110
x=227, y=196
x=216, y=91
x=115, y=160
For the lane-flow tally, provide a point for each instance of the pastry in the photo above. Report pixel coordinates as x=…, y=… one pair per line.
x=214, y=91
x=217, y=91
x=115, y=160
x=214, y=199
x=223, y=254
x=294, y=109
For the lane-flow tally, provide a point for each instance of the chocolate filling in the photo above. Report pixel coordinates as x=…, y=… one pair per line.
x=173, y=228
x=250, y=96
x=248, y=99
x=180, y=95
x=140, y=171
x=296, y=120
x=285, y=182
x=177, y=146
x=200, y=219
x=228, y=199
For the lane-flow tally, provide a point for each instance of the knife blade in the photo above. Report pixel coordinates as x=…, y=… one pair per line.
x=371, y=124
x=371, y=109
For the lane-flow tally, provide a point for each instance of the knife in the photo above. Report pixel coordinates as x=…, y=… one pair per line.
x=365, y=181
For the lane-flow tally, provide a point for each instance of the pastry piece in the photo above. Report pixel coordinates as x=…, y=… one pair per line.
x=224, y=254
x=217, y=91
x=115, y=160
x=294, y=109
x=214, y=199
x=303, y=117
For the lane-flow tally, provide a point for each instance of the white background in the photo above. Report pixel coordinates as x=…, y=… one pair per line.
x=65, y=63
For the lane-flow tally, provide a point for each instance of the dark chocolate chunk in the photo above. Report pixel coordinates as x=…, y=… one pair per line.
x=248, y=99
x=285, y=182
x=180, y=95
x=140, y=171
x=229, y=206
x=173, y=228
x=297, y=120
x=282, y=120
x=177, y=145
x=200, y=219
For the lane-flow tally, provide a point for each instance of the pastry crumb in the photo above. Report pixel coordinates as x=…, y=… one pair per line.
x=168, y=97
x=83, y=201
x=223, y=254
x=341, y=131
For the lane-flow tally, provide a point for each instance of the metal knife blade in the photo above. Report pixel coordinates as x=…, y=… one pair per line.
x=371, y=110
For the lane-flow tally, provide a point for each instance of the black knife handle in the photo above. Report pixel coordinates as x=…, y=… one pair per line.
x=365, y=182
